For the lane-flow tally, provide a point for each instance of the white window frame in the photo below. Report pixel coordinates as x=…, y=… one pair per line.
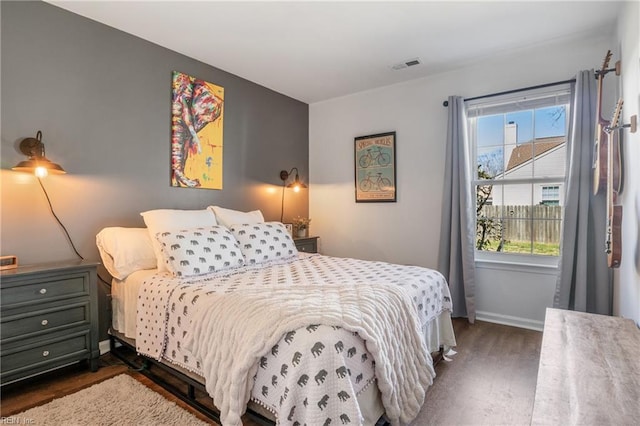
x=529, y=99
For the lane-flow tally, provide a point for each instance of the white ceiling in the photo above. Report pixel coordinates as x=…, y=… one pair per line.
x=313, y=51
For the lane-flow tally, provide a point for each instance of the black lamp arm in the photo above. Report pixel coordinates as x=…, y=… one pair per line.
x=33, y=147
x=284, y=175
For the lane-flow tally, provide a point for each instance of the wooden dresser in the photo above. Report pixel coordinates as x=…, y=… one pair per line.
x=589, y=371
x=49, y=318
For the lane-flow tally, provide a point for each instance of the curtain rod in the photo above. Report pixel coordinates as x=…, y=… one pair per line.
x=541, y=86
x=508, y=92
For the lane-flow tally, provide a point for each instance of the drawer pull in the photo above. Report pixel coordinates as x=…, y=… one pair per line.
x=43, y=291
x=44, y=322
x=45, y=353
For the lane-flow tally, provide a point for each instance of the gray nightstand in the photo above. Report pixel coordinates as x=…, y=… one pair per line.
x=49, y=318
x=307, y=244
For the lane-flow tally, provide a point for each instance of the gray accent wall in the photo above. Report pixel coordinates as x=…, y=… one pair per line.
x=102, y=99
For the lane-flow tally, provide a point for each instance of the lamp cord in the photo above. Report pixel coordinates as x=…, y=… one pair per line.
x=58, y=219
x=282, y=205
x=65, y=229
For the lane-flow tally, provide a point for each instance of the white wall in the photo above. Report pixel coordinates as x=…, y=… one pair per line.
x=408, y=231
x=627, y=278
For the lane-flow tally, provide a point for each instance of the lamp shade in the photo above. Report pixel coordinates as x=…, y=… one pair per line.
x=296, y=184
x=37, y=163
x=39, y=166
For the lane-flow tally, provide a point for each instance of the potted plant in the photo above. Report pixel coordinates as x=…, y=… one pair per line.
x=301, y=226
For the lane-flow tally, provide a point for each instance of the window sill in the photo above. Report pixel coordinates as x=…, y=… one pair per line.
x=519, y=263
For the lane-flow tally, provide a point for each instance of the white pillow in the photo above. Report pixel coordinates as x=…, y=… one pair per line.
x=200, y=251
x=170, y=220
x=125, y=250
x=263, y=242
x=228, y=217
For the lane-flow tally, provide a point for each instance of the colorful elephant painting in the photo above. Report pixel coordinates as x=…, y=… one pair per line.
x=196, y=132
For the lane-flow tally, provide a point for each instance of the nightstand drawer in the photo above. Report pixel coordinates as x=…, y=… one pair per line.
x=307, y=247
x=43, y=291
x=43, y=321
x=306, y=244
x=41, y=355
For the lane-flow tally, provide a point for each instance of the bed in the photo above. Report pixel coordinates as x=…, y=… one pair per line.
x=303, y=338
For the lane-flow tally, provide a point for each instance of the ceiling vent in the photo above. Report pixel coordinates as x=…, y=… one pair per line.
x=406, y=64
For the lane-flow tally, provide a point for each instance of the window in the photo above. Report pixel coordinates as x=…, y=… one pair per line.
x=551, y=195
x=518, y=145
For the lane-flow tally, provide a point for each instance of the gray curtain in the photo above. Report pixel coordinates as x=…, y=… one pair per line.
x=585, y=281
x=456, y=256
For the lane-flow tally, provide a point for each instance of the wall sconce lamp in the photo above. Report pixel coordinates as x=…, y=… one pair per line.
x=296, y=185
x=41, y=166
x=37, y=163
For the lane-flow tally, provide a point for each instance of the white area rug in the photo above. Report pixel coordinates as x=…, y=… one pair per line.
x=120, y=400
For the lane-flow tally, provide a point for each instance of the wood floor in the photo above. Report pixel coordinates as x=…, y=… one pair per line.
x=491, y=381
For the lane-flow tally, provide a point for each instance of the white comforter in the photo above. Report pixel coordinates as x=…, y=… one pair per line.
x=164, y=302
x=231, y=336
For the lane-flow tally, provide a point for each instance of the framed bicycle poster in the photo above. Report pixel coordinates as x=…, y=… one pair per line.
x=375, y=167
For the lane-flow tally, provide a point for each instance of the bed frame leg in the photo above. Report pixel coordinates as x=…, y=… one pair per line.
x=438, y=356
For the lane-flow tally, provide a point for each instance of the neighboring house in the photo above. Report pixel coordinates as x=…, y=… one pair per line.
x=539, y=158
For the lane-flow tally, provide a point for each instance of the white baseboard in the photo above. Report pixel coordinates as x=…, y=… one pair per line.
x=509, y=320
x=104, y=347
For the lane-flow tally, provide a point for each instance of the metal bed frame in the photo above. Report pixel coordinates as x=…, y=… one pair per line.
x=126, y=352
x=123, y=349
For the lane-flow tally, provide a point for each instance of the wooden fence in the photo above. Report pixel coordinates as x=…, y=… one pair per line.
x=520, y=223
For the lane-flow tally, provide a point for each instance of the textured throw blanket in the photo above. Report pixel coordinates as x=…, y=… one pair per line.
x=231, y=335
